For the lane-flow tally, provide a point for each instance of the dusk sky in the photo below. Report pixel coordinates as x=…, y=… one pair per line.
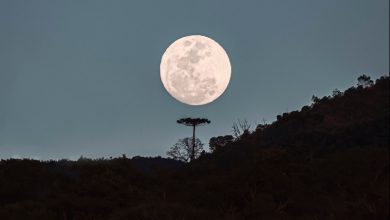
x=83, y=77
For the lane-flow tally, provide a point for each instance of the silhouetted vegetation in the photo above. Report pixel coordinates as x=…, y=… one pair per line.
x=241, y=128
x=193, y=122
x=185, y=150
x=329, y=160
x=217, y=143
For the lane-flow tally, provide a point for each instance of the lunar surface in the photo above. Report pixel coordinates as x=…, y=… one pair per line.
x=195, y=70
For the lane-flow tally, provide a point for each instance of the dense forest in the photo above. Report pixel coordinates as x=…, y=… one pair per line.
x=329, y=160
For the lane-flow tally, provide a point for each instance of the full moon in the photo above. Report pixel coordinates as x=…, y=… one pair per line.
x=195, y=70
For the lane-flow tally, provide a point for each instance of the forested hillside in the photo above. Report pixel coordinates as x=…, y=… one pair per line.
x=329, y=160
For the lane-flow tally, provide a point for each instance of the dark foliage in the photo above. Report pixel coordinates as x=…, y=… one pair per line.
x=193, y=121
x=217, y=143
x=329, y=160
x=358, y=117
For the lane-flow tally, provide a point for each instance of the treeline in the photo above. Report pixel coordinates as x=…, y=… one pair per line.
x=356, y=117
x=330, y=160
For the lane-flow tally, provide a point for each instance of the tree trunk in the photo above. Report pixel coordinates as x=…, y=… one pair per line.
x=193, y=143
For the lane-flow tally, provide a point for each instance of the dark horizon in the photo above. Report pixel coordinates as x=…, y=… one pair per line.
x=206, y=147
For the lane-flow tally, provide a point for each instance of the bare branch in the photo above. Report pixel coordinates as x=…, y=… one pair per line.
x=183, y=151
x=240, y=127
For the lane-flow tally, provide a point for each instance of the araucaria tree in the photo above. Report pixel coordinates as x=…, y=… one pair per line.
x=193, y=122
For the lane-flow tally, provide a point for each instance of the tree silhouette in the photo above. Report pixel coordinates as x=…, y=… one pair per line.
x=240, y=127
x=184, y=149
x=193, y=122
x=216, y=143
x=336, y=93
x=364, y=81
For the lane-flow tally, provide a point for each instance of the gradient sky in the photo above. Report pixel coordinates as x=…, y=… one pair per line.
x=82, y=77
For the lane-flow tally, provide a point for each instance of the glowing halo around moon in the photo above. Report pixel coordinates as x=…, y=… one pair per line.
x=195, y=70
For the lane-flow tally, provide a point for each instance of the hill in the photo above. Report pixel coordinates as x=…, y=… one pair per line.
x=327, y=161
